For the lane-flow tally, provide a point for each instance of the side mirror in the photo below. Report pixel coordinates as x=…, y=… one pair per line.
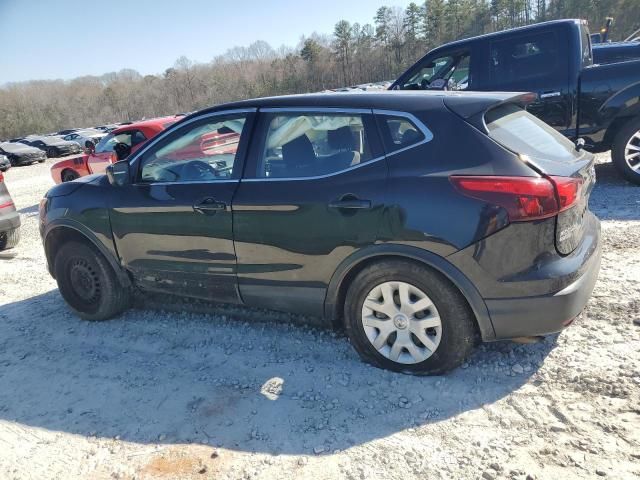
x=118, y=174
x=90, y=146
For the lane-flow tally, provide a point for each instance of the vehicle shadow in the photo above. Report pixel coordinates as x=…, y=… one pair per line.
x=609, y=189
x=29, y=210
x=158, y=377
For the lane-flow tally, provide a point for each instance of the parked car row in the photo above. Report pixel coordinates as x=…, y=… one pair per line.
x=26, y=150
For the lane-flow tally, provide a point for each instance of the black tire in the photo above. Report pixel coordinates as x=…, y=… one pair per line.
x=88, y=283
x=9, y=239
x=42, y=160
x=52, y=152
x=459, y=334
x=69, y=175
x=620, y=141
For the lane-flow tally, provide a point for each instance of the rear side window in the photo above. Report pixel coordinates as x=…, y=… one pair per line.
x=522, y=133
x=527, y=57
x=399, y=133
x=310, y=145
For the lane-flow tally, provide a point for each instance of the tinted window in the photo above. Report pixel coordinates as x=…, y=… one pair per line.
x=451, y=70
x=399, y=132
x=201, y=152
x=529, y=56
x=308, y=145
x=522, y=133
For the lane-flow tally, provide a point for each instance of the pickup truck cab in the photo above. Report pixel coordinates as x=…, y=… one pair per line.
x=132, y=135
x=580, y=99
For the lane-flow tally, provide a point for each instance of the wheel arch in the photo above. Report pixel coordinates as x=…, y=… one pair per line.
x=64, y=231
x=624, y=106
x=351, y=266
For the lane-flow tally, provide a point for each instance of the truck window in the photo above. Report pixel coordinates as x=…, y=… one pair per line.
x=527, y=57
x=449, y=70
x=586, y=46
x=522, y=133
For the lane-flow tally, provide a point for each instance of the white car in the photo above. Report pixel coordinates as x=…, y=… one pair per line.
x=81, y=136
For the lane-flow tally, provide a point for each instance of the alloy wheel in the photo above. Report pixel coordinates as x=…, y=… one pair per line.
x=632, y=152
x=401, y=322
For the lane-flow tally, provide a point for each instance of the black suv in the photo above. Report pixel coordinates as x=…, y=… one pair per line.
x=419, y=221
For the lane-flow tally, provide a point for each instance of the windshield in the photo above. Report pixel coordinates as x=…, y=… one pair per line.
x=522, y=133
x=110, y=141
x=448, y=72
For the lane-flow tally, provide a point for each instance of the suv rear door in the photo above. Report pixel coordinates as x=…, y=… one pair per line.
x=312, y=194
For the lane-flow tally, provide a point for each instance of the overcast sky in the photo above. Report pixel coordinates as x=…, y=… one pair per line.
x=69, y=38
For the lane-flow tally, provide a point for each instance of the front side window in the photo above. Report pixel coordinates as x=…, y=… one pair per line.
x=530, y=56
x=450, y=72
x=201, y=152
x=309, y=145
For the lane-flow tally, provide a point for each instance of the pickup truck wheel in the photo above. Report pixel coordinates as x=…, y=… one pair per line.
x=626, y=151
x=88, y=283
x=408, y=318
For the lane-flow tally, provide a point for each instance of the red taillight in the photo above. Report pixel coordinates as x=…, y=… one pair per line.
x=524, y=198
x=568, y=189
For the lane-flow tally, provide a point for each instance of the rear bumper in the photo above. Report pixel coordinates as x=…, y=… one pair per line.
x=527, y=287
x=544, y=314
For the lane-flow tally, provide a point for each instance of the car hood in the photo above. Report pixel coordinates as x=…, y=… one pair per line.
x=18, y=148
x=67, y=188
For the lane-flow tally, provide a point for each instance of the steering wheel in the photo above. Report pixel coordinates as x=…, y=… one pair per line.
x=198, y=170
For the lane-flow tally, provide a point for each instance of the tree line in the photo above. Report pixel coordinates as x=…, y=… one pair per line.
x=351, y=54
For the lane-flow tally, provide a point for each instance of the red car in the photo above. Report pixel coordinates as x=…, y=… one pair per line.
x=134, y=135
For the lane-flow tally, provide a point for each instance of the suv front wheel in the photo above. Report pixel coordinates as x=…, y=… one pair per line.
x=88, y=283
x=405, y=317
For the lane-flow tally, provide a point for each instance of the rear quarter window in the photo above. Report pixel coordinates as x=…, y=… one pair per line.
x=522, y=133
x=399, y=132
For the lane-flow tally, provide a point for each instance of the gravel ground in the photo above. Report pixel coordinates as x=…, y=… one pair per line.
x=234, y=394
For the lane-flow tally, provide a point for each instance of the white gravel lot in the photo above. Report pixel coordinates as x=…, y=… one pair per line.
x=233, y=394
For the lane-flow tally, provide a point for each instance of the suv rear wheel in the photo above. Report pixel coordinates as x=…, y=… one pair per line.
x=626, y=151
x=405, y=317
x=88, y=283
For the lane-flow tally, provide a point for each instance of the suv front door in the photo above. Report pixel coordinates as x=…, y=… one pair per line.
x=313, y=194
x=173, y=225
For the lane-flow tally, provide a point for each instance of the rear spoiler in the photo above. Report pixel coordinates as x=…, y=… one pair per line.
x=472, y=107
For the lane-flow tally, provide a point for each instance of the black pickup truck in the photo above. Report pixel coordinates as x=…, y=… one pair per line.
x=597, y=103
